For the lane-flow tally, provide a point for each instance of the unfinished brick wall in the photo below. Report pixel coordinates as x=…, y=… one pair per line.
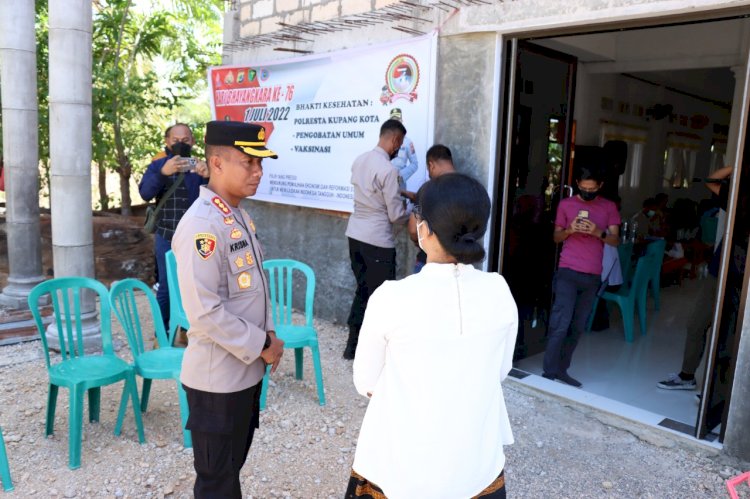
x=260, y=17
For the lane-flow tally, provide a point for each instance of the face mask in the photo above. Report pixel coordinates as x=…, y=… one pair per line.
x=419, y=236
x=589, y=196
x=650, y=213
x=181, y=149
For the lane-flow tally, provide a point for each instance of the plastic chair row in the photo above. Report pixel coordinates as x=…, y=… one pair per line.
x=85, y=373
x=281, y=277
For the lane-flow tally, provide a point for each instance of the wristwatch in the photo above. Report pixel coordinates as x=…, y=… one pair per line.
x=604, y=235
x=268, y=341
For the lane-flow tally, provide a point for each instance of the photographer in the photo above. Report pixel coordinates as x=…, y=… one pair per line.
x=173, y=165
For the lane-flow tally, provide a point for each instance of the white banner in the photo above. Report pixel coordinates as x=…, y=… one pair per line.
x=322, y=111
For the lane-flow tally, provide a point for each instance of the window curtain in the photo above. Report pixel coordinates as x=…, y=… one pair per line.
x=681, y=156
x=635, y=137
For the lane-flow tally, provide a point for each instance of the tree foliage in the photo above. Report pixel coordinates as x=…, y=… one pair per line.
x=150, y=61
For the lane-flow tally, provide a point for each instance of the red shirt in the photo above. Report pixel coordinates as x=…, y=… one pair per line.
x=583, y=252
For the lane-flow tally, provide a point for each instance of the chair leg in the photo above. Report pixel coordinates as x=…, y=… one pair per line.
x=76, y=426
x=132, y=387
x=123, y=407
x=145, y=392
x=298, y=359
x=4, y=468
x=641, y=304
x=590, y=321
x=318, y=375
x=187, y=438
x=51, y=406
x=95, y=397
x=627, y=321
x=264, y=388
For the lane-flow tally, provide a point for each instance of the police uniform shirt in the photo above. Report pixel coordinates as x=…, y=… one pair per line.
x=224, y=294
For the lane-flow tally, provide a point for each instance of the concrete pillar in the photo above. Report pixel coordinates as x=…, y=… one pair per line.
x=70, y=25
x=20, y=149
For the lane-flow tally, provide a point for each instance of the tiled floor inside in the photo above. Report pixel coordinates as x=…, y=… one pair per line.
x=628, y=372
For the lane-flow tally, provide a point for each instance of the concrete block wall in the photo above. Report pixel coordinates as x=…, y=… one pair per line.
x=260, y=17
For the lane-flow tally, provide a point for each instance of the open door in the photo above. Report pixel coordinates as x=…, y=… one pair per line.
x=732, y=288
x=536, y=162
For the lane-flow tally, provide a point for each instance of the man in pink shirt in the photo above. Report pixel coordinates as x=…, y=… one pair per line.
x=584, y=224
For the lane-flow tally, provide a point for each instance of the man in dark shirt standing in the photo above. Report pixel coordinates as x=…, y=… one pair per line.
x=161, y=174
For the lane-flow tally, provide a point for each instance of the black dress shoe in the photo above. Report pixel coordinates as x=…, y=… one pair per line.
x=568, y=380
x=549, y=376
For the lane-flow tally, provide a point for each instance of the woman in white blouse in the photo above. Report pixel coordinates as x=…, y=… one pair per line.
x=432, y=352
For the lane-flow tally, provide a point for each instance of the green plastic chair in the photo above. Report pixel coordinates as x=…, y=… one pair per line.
x=177, y=316
x=625, y=253
x=656, y=249
x=77, y=371
x=164, y=362
x=709, y=227
x=4, y=468
x=281, y=283
x=630, y=298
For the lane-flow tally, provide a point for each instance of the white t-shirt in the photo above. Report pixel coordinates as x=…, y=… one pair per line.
x=433, y=350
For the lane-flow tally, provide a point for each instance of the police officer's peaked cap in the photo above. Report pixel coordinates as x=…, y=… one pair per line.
x=396, y=114
x=247, y=137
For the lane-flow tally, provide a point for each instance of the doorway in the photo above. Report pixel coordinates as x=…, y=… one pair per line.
x=667, y=95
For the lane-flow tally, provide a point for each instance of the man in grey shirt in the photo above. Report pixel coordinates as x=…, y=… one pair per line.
x=377, y=206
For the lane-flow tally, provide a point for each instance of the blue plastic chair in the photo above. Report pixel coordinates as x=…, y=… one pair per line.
x=656, y=249
x=280, y=278
x=77, y=371
x=164, y=362
x=628, y=298
x=4, y=468
x=177, y=316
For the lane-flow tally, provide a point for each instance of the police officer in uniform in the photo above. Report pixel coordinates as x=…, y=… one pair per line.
x=225, y=296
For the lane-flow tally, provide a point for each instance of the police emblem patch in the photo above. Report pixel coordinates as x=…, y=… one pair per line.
x=236, y=233
x=205, y=244
x=228, y=220
x=239, y=262
x=244, y=281
x=249, y=258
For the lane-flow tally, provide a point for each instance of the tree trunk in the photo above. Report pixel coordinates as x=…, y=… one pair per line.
x=103, y=195
x=125, y=170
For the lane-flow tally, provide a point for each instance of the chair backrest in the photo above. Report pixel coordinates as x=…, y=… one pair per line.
x=176, y=312
x=656, y=249
x=625, y=252
x=642, y=275
x=709, y=227
x=280, y=279
x=122, y=298
x=66, y=296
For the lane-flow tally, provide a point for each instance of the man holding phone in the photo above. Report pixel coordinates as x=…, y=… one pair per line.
x=584, y=224
x=172, y=165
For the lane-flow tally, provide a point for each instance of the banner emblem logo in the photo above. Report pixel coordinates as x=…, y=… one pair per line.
x=401, y=79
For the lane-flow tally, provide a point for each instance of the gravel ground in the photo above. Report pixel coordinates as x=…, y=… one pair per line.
x=303, y=450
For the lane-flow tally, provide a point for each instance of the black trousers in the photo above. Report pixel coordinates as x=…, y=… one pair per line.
x=222, y=427
x=574, y=297
x=372, y=266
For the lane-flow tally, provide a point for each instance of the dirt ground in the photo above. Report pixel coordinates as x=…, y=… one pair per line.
x=303, y=450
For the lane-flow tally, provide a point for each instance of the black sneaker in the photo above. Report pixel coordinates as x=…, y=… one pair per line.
x=674, y=382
